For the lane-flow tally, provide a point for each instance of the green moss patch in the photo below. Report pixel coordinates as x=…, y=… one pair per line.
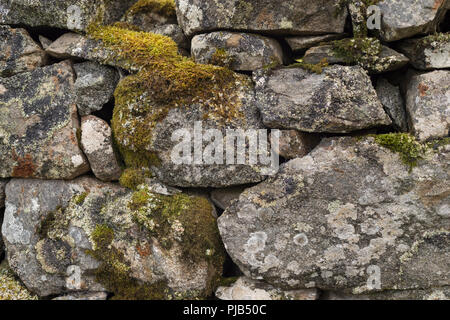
x=163, y=7
x=362, y=51
x=316, y=68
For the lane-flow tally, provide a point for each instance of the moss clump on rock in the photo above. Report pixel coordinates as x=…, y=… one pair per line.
x=434, y=39
x=362, y=51
x=166, y=80
x=316, y=68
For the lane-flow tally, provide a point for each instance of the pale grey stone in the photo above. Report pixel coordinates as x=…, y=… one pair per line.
x=392, y=100
x=427, y=54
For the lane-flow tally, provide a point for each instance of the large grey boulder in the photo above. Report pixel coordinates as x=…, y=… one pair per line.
x=432, y=52
x=339, y=100
x=297, y=17
x=87, y=236
x=18, y=52
x=393, y=103
x=94, y=86
x=406, y=18
x=428, y=104
x=38, y=126
x=238, y=51
x=97, y=144
x=349, y=216
x=74, y=15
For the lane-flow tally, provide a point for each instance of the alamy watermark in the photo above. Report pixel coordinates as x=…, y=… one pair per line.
x=196, y=146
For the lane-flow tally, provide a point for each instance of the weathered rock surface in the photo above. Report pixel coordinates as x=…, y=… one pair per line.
x=297, y=17
x=376, y=225
x=97, y=144
x=10, y=287
x=83, y=235
x=298, y=44
x=429, y=294
x=248, y=289
x=406, y=18
x=38, y=125
x=339, y=100
x=387, y=60
x=295, y=144
x=94, y=86
x=393, y=103
x=224, y=197
x=18, y=52
x=3, y=183
x=238, y=51
x=428, y=104
x=83, y=296
x=427, y=53
x=178, y=161
x=64, y=14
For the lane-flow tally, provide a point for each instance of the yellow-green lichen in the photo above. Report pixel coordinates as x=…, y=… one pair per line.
x=133, y=178
x=435, y=39
x=316, y=68
x=166, y=80
x=11, y=288
x=163, y=7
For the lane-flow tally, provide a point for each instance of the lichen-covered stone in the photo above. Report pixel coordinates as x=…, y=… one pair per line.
x=248, y=289
x=64, y=14
x=94, y=86
x=387, y=60
x=406, y=18
x=297, y=17
x=38, y=126
x=87, y=236
x=299, y=43
x=238, y=51
x=339, y=100
x=428, y=104
x=393, y=103
x=349, y=216
x=432, y=52
x=296, y=144
x=18, y=52
x=10, y=286
x=97, y=144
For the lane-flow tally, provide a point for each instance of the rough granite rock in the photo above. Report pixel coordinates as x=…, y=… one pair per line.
x=94, y=86
x=3, y=183
x=387, y=60
x=299, y=44
x=296, y=144
x=349, y=216
x=406, y=18
x=73, y=15
x=224, y=197
x=296, y=17
x=97, y=144
x=238, y=51
x=18, y=52
x=10, y=286
x=442, y=293
x=91, y=296
x=393, y=103
x=428, y=104
x=38, y=126
x=427, y=53
x=248, y=289
x=83, y=235
x=339, y=100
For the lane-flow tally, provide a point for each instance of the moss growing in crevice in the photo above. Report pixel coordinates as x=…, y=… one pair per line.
x=316, y=68
x=162, y=7
x=434, y=39
x=361, y=51
x=166, y=80
x=221, y=58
